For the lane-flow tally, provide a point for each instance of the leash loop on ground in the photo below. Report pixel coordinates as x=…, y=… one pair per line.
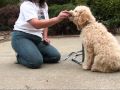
x=75, y=55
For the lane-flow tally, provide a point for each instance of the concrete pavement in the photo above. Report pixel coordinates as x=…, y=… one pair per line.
x=64, y=75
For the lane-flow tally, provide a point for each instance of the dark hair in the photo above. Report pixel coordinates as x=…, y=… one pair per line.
x=41, y=2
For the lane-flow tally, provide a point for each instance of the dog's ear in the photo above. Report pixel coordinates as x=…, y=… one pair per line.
x=83, y=18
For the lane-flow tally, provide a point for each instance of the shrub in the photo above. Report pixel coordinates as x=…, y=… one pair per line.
x=8, y=16
x=79, y=2
x=59, y=2
x=55, y=9
x=107, y=11
x=65, y=27
x=6, y=2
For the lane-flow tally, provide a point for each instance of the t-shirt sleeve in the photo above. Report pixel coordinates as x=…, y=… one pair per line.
x=28, y=11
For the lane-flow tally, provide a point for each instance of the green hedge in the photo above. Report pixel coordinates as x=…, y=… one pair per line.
x=80, y=2
x=55, y=9
x=65, y=27
x=8, y=16
x=107, y=11
x=6, y=2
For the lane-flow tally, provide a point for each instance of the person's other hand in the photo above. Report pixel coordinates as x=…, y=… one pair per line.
x=46, y=40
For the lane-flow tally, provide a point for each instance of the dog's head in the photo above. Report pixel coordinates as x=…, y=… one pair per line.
x=81, y=16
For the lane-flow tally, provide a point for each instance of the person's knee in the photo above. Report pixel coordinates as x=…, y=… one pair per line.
x=52, y=59
x=35, y=64
x=56, y=58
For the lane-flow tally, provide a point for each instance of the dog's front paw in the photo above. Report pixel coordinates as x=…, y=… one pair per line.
x=85, y=67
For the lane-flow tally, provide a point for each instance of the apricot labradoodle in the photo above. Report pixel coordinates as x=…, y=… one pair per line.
x=102, y=50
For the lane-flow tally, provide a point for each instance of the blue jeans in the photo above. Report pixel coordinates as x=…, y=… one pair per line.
x=32, y=51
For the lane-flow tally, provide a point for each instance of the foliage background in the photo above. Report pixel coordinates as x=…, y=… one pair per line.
x=105, y=11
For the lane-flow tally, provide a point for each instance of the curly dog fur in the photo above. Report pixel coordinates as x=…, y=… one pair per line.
x=102, y=50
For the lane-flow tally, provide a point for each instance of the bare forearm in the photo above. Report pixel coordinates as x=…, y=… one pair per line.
x=45, y=33
x=44, y=23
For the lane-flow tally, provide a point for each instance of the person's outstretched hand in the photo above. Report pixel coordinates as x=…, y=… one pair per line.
x=63, y=15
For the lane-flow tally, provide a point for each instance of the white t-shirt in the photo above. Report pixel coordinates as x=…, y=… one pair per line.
x=28, y=11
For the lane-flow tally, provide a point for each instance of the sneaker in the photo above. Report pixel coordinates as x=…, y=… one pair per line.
x=18, y=59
